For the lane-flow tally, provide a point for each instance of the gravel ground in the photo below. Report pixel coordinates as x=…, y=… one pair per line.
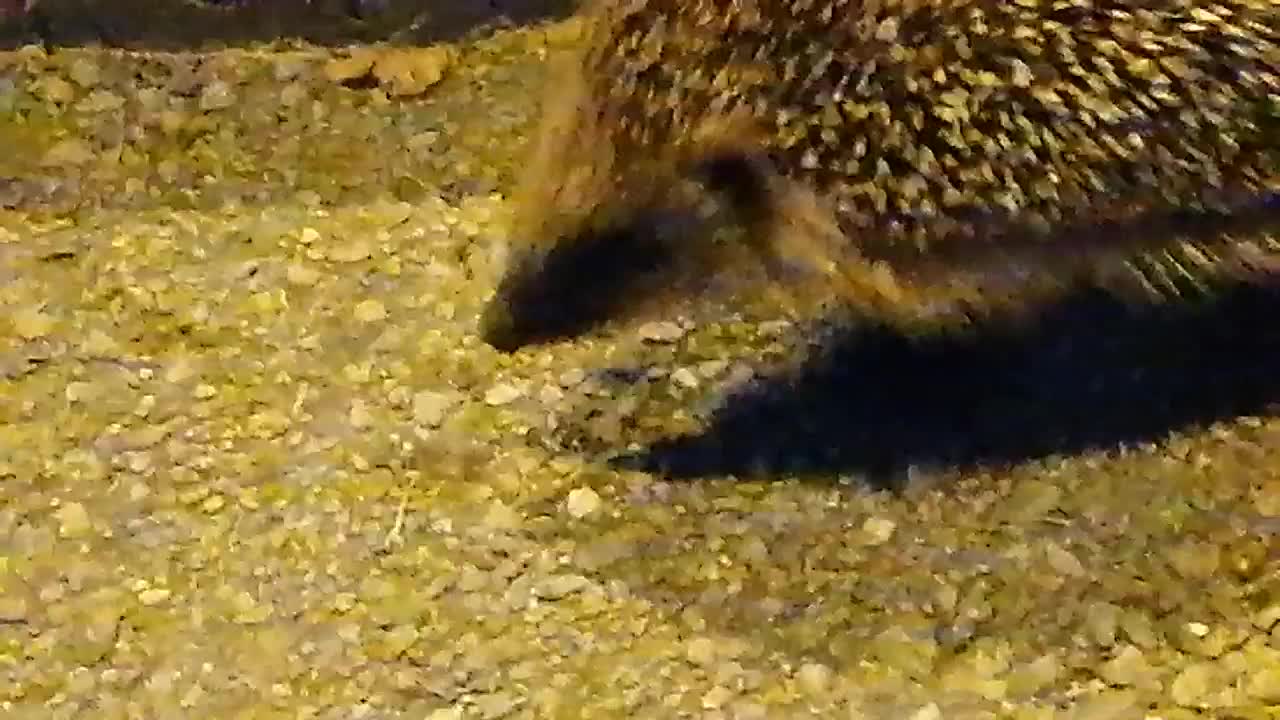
x=255, y=463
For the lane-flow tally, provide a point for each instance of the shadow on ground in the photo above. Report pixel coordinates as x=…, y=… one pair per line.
x=1094, y=374
x=198, y=24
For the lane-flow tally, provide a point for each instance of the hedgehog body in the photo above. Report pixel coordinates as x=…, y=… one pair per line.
x=924, y=159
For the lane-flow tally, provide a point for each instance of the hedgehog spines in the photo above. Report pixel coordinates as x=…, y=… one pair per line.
x=924, y=157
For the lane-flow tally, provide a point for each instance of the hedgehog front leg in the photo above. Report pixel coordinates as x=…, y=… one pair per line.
x=811, y=262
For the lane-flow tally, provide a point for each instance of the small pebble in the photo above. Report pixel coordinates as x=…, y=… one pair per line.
x=351, y=252
x=501, y=516
x=1198, y=629
x=661, y=332
x=217, y=95
x=301, y=275
x=716, y=697
x=878, y=530
x=31, y=323
x=684, y=377
x=701, y=651
x=550, y=395
x=72, y=151
x=583, y=502
x=1265, y=685
x=772, y=328
x=712, y=368
x=1267, y=617
x=1128, y=667
x=561, y=586
x=368, y=311
x=495, y=705
x=570, y=378
x=928, y=712
x=73, y=520
x=85, y=73
x=814, y=678
x=359, y=416
x=153, y=596
x=1194, y=682
x=429, y=407
x=472, y=579
x=13, y=609
x=752, y=711
x=1062, y=561
x=502, y=394
x=343, y=602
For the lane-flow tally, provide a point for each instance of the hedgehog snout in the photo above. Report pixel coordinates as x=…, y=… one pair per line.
x=498, y=329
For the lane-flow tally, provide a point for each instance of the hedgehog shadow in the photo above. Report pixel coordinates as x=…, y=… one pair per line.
x=1094, y=374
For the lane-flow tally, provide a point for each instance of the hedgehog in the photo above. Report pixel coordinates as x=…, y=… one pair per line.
x=926, y=161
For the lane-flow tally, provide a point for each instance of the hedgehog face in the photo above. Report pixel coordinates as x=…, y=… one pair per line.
x=591, y=231
x=608, y=221
x=624, y=245
x=581, y=281
x=646, y=241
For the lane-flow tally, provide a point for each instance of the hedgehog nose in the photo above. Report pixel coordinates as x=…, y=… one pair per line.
x=497, y=328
